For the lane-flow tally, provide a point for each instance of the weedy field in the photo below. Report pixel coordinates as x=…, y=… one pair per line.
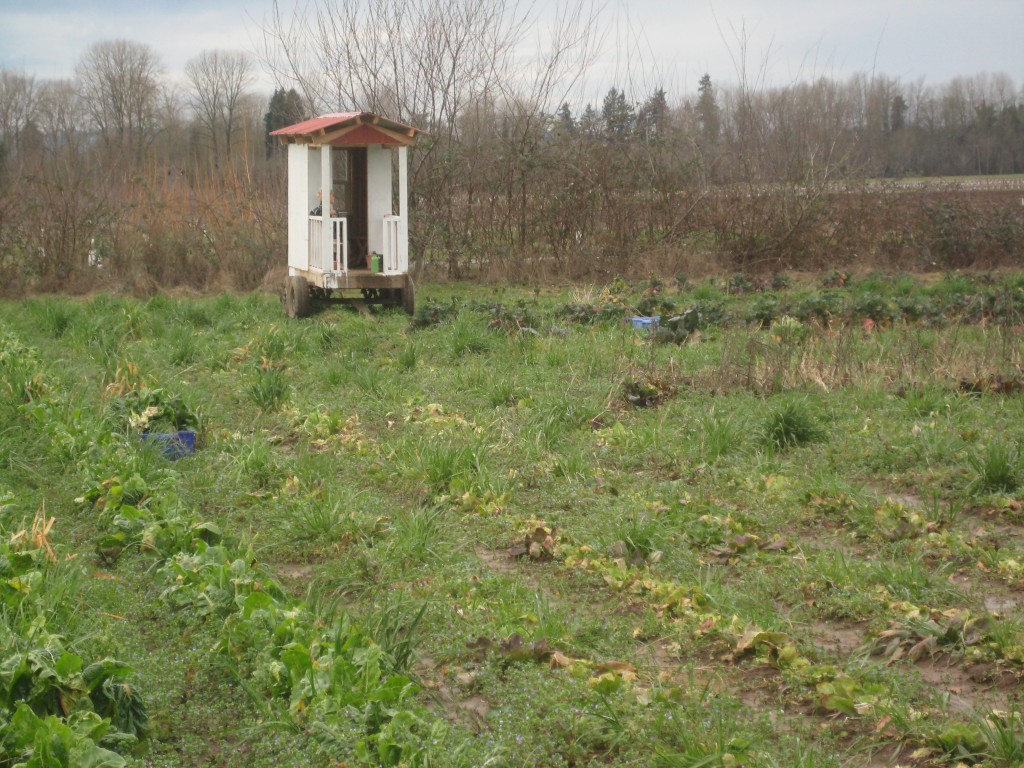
x=782, y=529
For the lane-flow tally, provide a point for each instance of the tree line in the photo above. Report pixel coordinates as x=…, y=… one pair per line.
x=120, y=176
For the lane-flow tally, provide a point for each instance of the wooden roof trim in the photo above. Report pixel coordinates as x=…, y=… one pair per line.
x=331, y=128
x=340, y=133
x=295, y=139
x=326, y=137
x=401, y=136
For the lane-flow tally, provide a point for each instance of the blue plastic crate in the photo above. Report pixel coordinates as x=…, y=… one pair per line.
x=645, y=323
x=173, y=445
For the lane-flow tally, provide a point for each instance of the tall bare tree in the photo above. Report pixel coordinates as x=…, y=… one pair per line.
x=220, y=80
x=18, y=97
x=120, y=81
x=431, y=62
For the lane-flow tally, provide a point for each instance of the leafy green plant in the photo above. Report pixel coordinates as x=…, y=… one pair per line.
x=430, y=313
x=52, y=742
x=209, y=581
x=332, y=676
x=645, y=390
x=679, y=328
x=136, y=405
x=582, y=313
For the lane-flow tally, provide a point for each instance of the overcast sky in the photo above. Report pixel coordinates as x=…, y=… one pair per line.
x=673, y=42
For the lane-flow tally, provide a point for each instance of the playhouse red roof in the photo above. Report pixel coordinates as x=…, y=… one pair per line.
x=351, y=129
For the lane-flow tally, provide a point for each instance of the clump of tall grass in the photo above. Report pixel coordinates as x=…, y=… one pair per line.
x=56, y=316
x=467, y=338
x=408, y=357
x=268, y=388
x=790, y=425
x=718, y=436
x=443, y=463
x=997, y=468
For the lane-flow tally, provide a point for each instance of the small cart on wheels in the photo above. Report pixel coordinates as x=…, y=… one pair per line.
x=346, y=243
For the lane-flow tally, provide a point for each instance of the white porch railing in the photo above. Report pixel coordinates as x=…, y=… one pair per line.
x=391, y=255
x=336, y=257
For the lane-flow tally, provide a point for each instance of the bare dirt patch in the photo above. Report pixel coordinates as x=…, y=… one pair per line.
x=500, y=562
x=970, y=688
x=1003, y=603
x=839, y=639
x=455, y=692
x=293, y=571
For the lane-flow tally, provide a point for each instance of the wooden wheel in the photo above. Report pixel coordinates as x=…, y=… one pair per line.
x=409, y=296
x=297, y=302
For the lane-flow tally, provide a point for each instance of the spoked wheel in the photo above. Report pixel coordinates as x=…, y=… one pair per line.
x=409, y=296
x=297, y=302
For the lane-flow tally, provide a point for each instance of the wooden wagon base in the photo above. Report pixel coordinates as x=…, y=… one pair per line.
x=358, y=287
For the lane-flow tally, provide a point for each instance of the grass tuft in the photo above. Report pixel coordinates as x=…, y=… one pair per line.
x=268, y=389
x=791, y=425
x=996, y=469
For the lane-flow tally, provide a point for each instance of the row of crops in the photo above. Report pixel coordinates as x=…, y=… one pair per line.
x=809, y=511
x=63, y=706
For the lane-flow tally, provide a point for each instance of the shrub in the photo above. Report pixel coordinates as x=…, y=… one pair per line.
x=430, y=313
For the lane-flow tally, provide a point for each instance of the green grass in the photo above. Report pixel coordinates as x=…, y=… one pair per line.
x=463, y=544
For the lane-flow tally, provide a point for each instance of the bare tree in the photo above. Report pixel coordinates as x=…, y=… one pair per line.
x=421, y=60
x=18, y=96
x=62, y=116
x=432, y=63
x=120, y=81
x=219, y=81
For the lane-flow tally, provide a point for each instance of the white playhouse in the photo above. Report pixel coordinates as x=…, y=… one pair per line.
x=344, y=232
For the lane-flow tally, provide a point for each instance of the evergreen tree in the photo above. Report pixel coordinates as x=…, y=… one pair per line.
x=652, y=120
x=286, y=108
x=898, y=113
x=590, y=122
x=618, y=115
x=564, y=121
x=707, y=110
